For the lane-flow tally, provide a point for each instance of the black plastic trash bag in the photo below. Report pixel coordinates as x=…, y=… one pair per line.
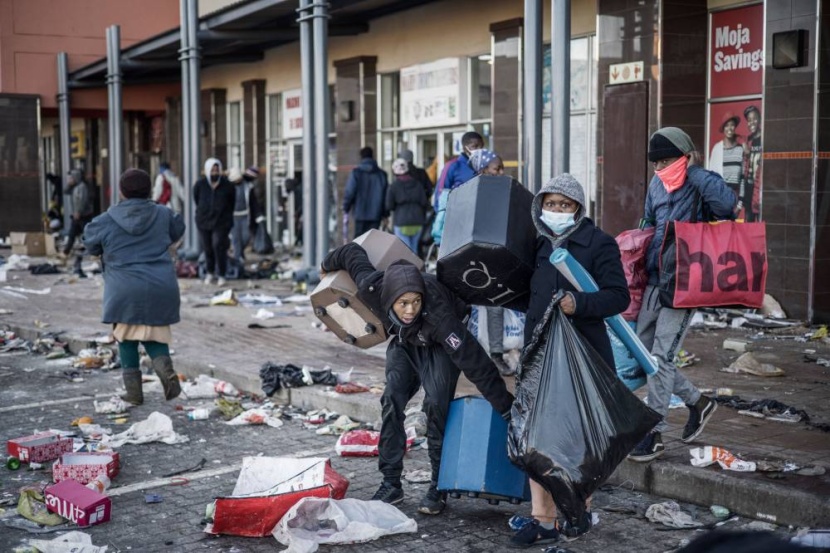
x=573, y=420
x=275, y=377
x=262, y=240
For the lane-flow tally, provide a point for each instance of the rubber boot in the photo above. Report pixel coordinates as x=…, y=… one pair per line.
x=163, y=366
x=132, y=382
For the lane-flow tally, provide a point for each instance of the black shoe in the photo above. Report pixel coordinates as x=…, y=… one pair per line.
x=389, y=492
x=532, y=534
x=650, y=448
x=433, y=502
x=501, y=365
x=699, y=415
x=572, y=531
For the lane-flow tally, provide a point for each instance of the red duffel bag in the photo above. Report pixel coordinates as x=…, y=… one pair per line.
x=633, y=245
x=713, y=264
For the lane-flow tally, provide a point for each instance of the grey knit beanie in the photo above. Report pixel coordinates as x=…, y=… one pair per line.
x=677, y=137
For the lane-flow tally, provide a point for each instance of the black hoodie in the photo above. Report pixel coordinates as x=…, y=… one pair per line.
x=441, y=321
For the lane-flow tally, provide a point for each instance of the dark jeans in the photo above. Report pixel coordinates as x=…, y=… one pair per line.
x=76, y=230
x=409, y=367
x=215, y=243
x=361, y=227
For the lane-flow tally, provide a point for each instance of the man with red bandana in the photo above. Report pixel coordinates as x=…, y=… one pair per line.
x=681, y=190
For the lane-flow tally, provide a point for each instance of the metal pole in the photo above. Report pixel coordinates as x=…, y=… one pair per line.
x=63, y=118
x=532, y=92
x=195, y=117
x=307, y=75
x=187, y=165
x=560, y=130
x=110, y=122
x=321, y=130
x=116, y=117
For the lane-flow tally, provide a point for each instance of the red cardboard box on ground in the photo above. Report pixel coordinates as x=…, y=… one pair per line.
x=85, y=467
x=37, y=448
x=77, y=503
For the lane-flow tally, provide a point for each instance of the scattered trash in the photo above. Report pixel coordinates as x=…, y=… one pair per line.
x=773, y=410
x=195, y=468
x=259, y=299
x=82, y=420
x=420, y=476
x=364, y=443
x=207, y=387
x=31, y=505
x=258, y=416
x=224, y=298
x=156, y=428
x=772, y=309
x=41, y=447
x=111, y=406
x=274, y=377
x=775, y=466
x=747, y=363
x=86, y=467
x=77, y=503
x=669, y=514
x=152, y=498
x=98, y=358
x=100, y=484
x=733, y=344
x=719, y=511
x=814, y=470
x=709, y=455
x=71, y=542
x=517, y=522
x=820, y=333
x=44, y=292
x=263, y=314
x=761, y=526
x=341, y=425
x=267, y=487
x=812, y=358
x=350, y=388
x=685, y=359
x=315, y=521
x=229, y=408
x=94, y=431
x=200, y=414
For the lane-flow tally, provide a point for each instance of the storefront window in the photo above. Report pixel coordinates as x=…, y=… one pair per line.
x=390, y=87
x=481, y=78
x=235, y=135
x=274, y=119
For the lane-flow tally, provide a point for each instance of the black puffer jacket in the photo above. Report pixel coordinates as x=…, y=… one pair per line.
x=441, y=321
x=408, y=200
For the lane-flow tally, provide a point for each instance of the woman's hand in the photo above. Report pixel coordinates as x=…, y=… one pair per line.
x=567, y=304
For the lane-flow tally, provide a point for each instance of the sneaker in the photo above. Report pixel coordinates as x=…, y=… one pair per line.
x=209, y=279
x=532, y=534
x=699, y=415
x=573, y=531
x=389, y=493
x=221, y=281
x=501, y=365
x=650, y=448
x=433, y=502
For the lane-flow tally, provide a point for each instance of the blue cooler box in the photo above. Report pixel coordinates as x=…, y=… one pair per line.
x=474, y=458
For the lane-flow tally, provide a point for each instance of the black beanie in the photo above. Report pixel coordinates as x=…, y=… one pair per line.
x=660, y=147
x=135, y=183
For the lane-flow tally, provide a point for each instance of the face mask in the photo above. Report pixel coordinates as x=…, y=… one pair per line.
x=558, y=222
x=674, y=175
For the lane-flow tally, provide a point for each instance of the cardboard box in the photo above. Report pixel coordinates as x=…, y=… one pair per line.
x=335, y=299
x=77, y=503
x=488, y=249
x=32, y=244
x=38, y=448
x=85, y=467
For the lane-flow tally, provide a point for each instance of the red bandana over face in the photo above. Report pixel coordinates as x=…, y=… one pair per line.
x=674, y=175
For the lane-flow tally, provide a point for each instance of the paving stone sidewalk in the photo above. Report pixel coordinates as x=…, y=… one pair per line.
x=217, y=340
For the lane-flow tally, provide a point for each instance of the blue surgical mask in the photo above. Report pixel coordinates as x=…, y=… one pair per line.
x=558, y=222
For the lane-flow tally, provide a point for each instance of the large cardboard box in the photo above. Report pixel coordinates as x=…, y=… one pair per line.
x=38, y=448
x=77, y=503
x=85, y=467
x=489, y=243
x=335, y=299
x=32, y=244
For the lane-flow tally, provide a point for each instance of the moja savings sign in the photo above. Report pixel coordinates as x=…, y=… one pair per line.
x=736, y=63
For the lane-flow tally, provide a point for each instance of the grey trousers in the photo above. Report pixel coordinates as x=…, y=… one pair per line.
x=662, y=330
x=240, y=235
x=495, y=329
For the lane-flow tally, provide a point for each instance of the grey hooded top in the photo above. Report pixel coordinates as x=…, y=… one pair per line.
x=140, y=285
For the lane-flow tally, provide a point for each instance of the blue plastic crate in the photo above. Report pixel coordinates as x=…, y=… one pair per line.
x=474, y=459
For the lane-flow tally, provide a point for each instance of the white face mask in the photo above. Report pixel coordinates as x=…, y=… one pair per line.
x=558, y=222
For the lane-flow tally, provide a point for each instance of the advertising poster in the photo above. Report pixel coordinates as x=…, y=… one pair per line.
x=736, y=71
x=431, y=94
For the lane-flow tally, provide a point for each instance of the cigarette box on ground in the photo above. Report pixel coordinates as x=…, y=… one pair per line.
x=85, y=467
x=77, y=503
x=38, y=448
x=335, y=299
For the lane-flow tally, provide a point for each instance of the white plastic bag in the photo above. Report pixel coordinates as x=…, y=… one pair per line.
x=314, y=521
x=156, y=428
x=514, y=328
x=71, y=542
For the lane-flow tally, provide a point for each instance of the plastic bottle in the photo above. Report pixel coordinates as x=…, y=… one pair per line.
x=13, y=463
x=100, y=484
x=199, y=414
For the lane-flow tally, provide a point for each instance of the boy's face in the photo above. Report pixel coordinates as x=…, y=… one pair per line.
x=495, y=168
x=407, y=307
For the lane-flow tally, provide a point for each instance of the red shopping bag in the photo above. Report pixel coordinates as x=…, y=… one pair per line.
x=713, y=264
x=633, y=245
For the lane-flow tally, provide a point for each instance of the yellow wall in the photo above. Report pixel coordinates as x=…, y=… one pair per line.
x=426, y=33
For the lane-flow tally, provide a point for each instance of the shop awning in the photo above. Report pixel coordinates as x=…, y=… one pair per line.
x=240, y=33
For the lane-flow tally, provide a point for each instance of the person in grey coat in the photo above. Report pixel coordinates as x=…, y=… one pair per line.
x=82, y=210
x=141, y=293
